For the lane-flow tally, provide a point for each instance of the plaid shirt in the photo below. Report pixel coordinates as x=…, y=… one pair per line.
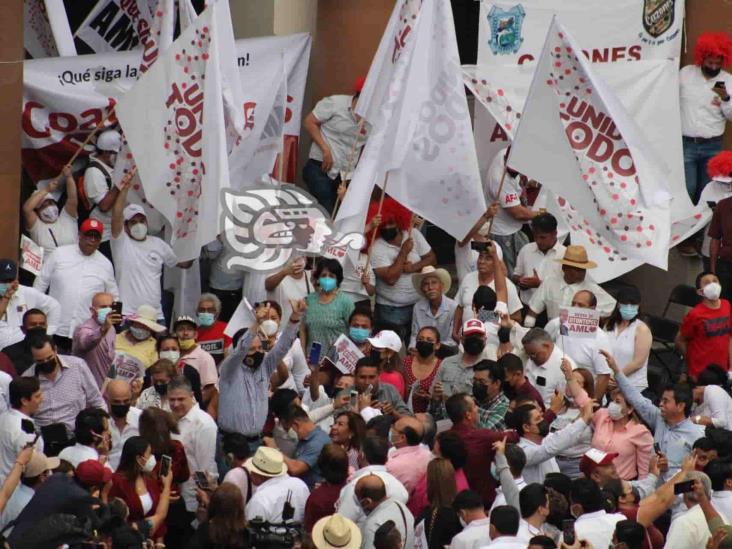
x=491, y=415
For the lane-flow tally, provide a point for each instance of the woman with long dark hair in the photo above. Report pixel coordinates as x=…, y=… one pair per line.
x=225, y=525
x=440, y=521
x=156, y=427
x=348, y=430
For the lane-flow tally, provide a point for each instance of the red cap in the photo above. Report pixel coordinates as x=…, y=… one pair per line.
x=358, y=84
x=594, y=458
x=92, y=225
x=473, y=326
x=92, y=473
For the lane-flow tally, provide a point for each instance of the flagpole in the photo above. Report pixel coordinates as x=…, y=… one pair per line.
x=351, y=158
x=89, y=137
x=378, y=213
x=498, y=196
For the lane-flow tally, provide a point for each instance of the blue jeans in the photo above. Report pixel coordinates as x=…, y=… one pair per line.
x=696, y=156
x=397, y=319
x=322, y=187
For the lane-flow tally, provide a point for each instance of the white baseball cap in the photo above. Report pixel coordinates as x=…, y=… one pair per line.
x=109, y=140
x=131, y=210
x=386, y=339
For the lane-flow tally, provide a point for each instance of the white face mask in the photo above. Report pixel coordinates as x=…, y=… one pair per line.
x=172, y=356
x=269, y=328
x=712, y=291
x=138, y=231
x=150, y=464
x=49, y=214
x=615, y=411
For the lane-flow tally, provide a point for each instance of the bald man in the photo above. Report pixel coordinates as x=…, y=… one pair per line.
x=94, y=338
x=371, y=495
x=125, y=418
x=408, y=458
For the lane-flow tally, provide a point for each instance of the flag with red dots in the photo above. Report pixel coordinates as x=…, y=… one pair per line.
x=576, y=138
x=176, y=122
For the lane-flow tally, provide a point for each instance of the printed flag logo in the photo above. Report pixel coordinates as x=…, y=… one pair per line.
x=658, y=16
x=505, y=28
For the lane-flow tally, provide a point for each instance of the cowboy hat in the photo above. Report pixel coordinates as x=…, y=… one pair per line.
x=576, y=256
x=147, y=315
x=267, y=462
x=429, y=270
x=336, y=532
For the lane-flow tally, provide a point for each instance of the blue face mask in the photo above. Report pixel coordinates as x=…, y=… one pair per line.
x=359, y=335
x=327, y=284
x=4, y=286
x=102, y=314
x=627, y=311
x=205, y=319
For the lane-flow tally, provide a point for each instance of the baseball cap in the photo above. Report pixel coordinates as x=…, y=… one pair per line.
x=8, y=270
x=594, y=458
x=358, y=84
x=386, y=339
x=39, y=464
x=473, y=326
x=183, y=319
x=131, y=210
x=92, y=225
x=109, y=140
x=92, y=473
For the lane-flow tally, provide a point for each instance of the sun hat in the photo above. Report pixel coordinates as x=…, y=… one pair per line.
x=336, y=532
x=576, y=256
x=428, y=271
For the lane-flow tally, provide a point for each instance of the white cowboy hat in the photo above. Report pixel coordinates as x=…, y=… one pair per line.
x=429, y=270
x=147, y=315
x=336, y=532
x=267, y=462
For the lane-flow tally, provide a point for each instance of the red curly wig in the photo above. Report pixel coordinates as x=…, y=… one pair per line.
x=391, y=212
x=713, y=44
x=720, y=165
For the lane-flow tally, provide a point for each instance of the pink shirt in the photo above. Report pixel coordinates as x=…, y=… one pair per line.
x=396, y=379
x=204, y=363
x=633, y=443
x=97, y=351
x=418, y=501
x=409, y=464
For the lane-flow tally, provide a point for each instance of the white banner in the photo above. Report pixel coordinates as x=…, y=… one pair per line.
x=31, y=255
x=37, y=34
x=578, y=322
x=348, y=354
x=116, y=25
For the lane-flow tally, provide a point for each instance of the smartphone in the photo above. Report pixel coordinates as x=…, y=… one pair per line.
x=314, y=356
x=27, y=426
x=369, y=390
x=165, y=462
x=541, y=381
x=683, y=487
x=354, y=399
x=711, y=204
x=479, y=246
x=720, y=84
x=657, y=448
x=568, y=536
x=201, y=480
x=117, y=307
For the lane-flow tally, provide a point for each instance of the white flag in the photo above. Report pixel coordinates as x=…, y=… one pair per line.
x=186, y=14
x=37, y=34
x=577, y=139
x=174, y=120
x=422, y=135
x=59, y=22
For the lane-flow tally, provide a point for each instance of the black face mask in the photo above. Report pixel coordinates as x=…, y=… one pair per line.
x=34, y=332
x=375, y=356
x=330, y=391
x=543, y=428
x=161, y=388
x=710, y=73
x=480, y=391
x=389, y=233
x=473, y=345
x=254, y=361
x=120, y=410
x=425, y=348
x=46, y=367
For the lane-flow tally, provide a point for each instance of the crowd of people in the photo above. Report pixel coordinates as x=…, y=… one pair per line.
x=378, y=402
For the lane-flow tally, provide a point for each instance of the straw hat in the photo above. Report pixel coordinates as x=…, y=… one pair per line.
x=576, y=256
x=336, y=532
x=147, y=315
x=267, y=462
x=429, y=270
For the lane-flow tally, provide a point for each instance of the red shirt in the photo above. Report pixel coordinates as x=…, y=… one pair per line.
x=213, y=341
x=420, y=403
x=479, y=445
x=529, y=391
x=125, y=490
x=707, y=332
x=321, y=503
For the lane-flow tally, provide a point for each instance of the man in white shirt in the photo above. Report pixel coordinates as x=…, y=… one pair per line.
x=534, y=505
x=476, y=532
x=544, y=367
x=198, y=433
x=15, y=300
x=541, y=447
x=720, y=475
x=372, y=498
x=73, y=275
x=512, y=212
x=99, y=191
x=689, y=529
x=504, y=527
x=125, y=419
x=712, y=404
x=593, y=523
x=138, y=257
x=35, y=473
x=16, y=425
x=268, y=472
x=93, y=438
x=557, y=291
x=536, y=260
x=705, y=107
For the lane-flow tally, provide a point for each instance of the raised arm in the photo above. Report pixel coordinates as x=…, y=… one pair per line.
x=499, y=275
x=118, y=223
x=278, y=352
x=642, y=405
x=72, y=196
x=508, y=483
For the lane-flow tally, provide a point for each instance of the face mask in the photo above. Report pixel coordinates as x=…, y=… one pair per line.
x=138, y=231
x=710, y=72
x=463, y=523
x=119, y=410
x=205, y=319
x=712, y=291
x=375, y=356
x=172, y=356
x=480, y=391
x=389, y=234
x=615, y=411
x=161, y=388
x=473, y=345
x=543, y=427
x=49, y=214
x=4, y=287
x=494, y=472
x=102, y=314
x=255, y=360
x=35, y=332
x=359, y=335
x=187, y=344
x=425, y=348
x=150, y=464
x=140, y=334
x=628, y=312
x=327, y=284
x=269, y=328
x=47, y=367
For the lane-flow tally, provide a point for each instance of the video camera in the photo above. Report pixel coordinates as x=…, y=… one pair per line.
x=275, y=535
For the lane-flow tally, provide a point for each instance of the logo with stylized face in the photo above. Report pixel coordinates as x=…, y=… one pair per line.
x=505, y=26
x=266, y=225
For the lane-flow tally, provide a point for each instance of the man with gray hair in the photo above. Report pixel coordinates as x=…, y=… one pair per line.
x=689, y=529
x=211, y=336
x=543, y=367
